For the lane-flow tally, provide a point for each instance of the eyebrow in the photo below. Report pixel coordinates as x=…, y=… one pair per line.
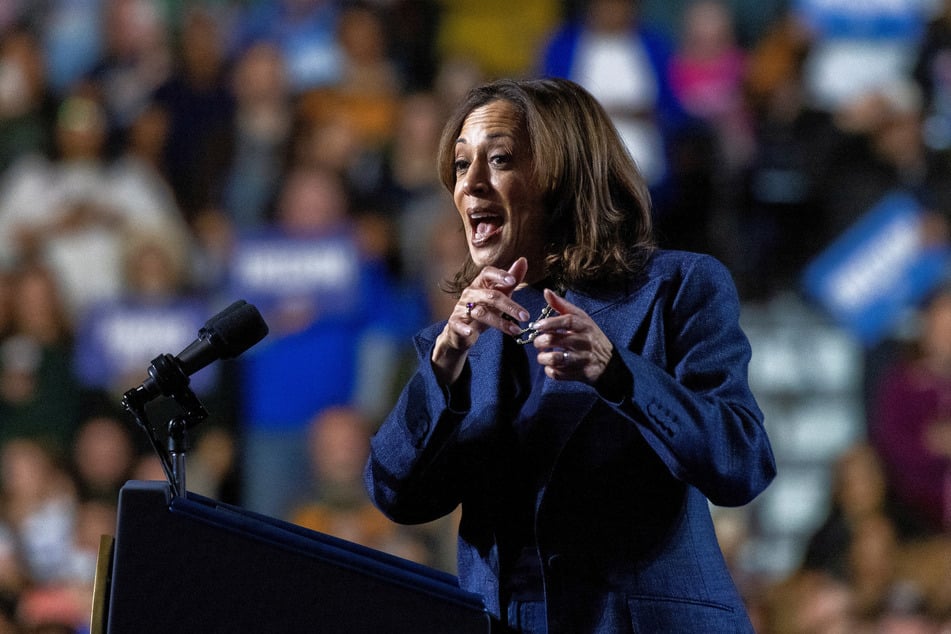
x=491, y=136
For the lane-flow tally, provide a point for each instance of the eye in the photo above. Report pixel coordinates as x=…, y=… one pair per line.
x=460, y=165
x=501, y=159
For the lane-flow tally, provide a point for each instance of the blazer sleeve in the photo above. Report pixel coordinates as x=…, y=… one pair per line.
x=690, y=394
x=401, y=472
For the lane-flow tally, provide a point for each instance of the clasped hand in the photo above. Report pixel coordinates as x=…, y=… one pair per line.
x=570, y=346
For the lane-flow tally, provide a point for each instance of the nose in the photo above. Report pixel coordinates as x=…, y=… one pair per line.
x=476, y=179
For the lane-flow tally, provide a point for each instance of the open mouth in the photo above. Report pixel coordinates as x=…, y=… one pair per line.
x=485, y=225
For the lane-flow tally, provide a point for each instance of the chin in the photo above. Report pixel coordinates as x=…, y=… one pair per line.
x=484, y=257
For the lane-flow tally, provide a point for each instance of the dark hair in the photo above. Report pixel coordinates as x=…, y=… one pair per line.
x=598, y=203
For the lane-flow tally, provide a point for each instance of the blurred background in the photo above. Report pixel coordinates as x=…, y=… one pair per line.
x=161, y=158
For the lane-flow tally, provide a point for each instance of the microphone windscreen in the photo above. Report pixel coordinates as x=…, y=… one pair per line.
x=234, y=329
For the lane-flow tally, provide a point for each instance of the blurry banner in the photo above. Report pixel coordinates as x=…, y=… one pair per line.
x=868, y=19
x=878, y=269
x=116, y=342
x=273, y=269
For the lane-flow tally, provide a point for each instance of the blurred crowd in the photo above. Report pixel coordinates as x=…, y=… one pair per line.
x=161, y=158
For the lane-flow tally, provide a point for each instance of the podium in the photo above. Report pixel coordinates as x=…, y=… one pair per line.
x=187, y=564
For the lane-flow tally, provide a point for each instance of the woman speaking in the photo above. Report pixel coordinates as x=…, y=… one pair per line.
x=588, y=393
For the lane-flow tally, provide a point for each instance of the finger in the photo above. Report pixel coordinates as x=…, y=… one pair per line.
x=503, y=280
x=561, y=358
x=489, y=302
x=564, y=331
x=560, y=304
x=492, y=317
x=519, y=269
x=460, y=334
x=492, y=277
x=559, y=364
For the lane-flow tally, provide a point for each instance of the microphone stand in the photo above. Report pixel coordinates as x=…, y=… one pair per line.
x=174, y=383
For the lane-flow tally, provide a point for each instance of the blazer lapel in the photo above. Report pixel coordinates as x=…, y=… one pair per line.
x=620, y=317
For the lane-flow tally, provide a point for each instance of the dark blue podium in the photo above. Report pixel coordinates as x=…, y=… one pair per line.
x=192, y=565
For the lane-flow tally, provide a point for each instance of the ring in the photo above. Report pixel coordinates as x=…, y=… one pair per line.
x=564, y=357
x=469, y=306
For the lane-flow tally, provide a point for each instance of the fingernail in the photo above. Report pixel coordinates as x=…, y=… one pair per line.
x=523, y=315
x=508, y=279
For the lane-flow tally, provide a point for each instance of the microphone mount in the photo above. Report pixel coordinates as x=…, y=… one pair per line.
x=224, y=336
x=172, y=382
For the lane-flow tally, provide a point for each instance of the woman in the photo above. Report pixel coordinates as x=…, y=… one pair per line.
x=911, y=423
x=584, y=458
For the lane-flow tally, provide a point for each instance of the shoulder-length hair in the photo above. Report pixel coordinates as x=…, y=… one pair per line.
x=599, y=227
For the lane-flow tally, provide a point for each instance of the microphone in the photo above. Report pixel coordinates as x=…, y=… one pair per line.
x=224, y=336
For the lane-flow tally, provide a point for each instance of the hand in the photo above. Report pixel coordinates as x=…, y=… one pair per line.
x=480, y=307
x=571, y=347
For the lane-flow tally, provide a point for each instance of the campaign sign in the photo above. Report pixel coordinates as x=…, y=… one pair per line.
x=868, y=19
x=272, y=268
x=878, y=269
x=117, y=341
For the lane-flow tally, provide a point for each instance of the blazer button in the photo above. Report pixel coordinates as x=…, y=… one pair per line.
x=554, y=562
x=420, y=430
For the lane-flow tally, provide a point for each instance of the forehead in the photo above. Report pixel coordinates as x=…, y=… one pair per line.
x=498, y=118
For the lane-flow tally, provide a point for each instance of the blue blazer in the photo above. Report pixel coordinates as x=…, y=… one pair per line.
x=622, y=522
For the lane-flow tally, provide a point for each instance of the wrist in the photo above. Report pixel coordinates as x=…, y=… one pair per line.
x=447, y=362
x=616, y=382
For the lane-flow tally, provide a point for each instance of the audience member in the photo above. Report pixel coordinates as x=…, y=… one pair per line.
x=317, y=291
x=260, y=135
x=698, y=209
x=707, y=72
x=305, y=31
x=135, y=61
x=501, y=38
x=26, y=105
x=72, y=38
x=102, y=457
x=858, y=47
x=911, y=422
x=58, y=537
x=200, y=108
x=39, y=397
x=858, y=494
x=794, y=143
x=366, y=94
x=338, y=443
x=39, y=504
x=932, y=71
x=153, y=314
x=407, y=193
x=624, y=64
x=412, y=26
x=73, y=212
x=809, y=602
x=883, y=153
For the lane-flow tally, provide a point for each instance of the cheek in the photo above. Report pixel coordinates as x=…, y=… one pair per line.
x=457, y=199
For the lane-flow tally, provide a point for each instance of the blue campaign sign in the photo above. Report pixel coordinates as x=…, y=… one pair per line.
x=865, y=19
x=116, y=341
x=273, y=268
x=878, y=269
